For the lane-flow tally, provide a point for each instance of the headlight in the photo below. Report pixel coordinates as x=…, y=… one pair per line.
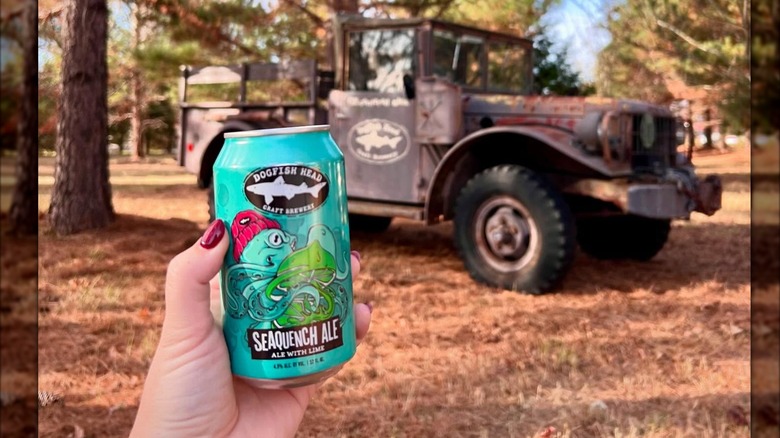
x=597, y=130
x=609, y=129
x=647, y=131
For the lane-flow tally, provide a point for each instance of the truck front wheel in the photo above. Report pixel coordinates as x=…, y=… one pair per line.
x=622, y=236
x=514, y=230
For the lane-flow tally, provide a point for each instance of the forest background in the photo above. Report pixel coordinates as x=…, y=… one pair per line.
x=692, y=55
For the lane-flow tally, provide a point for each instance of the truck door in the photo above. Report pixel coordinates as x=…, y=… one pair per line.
x=372, y=119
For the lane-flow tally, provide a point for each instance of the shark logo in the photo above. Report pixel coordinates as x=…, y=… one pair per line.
x=281, y=188
x=378, y=141
x=286, y=190
x=374, y=140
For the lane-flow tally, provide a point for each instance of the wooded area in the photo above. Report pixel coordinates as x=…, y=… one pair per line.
x=662, y=51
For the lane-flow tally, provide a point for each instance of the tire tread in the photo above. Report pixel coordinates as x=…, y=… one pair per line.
x=542, y=278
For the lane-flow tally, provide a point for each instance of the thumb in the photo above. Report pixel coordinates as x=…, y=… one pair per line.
x=187, y=296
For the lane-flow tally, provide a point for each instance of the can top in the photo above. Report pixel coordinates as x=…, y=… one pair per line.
x=278, y=131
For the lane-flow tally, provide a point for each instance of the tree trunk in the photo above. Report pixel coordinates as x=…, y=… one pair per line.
x=338, y=7
x=136, y=118
x=81, y=196
x=708, y=130
x=136, y=92
x=345, y=6
x=24, y=204
x=775, y=119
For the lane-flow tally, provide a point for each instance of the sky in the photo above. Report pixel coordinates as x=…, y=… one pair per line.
x=579, y=25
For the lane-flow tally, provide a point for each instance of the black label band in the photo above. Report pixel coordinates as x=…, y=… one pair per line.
x=286, y=190
x=289, y=343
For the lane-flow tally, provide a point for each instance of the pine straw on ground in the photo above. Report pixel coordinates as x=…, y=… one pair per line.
x=624, y=349
x=18, y=308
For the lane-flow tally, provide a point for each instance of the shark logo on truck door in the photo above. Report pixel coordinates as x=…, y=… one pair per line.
x=378, y=141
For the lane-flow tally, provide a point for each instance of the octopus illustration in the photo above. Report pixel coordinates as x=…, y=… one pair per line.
x=275, y=283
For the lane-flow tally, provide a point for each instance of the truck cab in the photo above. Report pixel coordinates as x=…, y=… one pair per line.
x=402, y=98
x=437, y=123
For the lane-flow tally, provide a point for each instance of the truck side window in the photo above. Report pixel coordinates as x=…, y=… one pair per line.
x=458, y=58
x=444, y=44
x=378, y=59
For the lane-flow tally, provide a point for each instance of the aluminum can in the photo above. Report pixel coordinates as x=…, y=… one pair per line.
x=286, y=282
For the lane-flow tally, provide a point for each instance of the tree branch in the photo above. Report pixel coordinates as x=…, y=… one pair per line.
x=181, y=11
x=717, y=13
x=685, y=37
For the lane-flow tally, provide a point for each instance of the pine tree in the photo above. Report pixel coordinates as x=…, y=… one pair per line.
x=699, y=42
x=552, y=74
x=81, y=196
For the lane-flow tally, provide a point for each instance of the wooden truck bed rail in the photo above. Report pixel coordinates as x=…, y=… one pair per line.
x=302, y=72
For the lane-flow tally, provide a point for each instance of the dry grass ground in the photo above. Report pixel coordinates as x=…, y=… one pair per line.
x=18, y=310
x=658, y=349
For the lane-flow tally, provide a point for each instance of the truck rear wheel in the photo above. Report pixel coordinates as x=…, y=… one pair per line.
x=206, y=177
x=514, y=230
x=622, y=237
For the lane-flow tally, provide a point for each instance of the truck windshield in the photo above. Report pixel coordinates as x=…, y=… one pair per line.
x=378, y=60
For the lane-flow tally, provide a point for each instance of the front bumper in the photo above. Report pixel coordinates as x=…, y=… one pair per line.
x=675, y=201
x=673, y=197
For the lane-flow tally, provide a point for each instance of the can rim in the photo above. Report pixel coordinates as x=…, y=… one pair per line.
x=277, y=131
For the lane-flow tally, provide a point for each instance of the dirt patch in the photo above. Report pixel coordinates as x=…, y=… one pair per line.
x=652, y=349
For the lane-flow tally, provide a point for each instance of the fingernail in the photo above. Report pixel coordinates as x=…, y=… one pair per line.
x=213, y=234
x=356, y=254
x=370, y=306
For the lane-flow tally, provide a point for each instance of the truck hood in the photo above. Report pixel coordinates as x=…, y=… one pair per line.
x=555, y=106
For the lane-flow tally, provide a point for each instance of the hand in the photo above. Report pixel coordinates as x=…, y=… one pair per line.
x=189, y=390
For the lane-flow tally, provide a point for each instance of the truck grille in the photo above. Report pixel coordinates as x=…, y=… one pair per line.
x=656, y=158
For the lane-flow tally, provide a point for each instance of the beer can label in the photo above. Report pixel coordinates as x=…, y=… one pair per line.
x=286, y=280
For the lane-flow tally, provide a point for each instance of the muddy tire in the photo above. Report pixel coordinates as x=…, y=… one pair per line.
x=514, y=230
x=622, y=237
x=369, y=224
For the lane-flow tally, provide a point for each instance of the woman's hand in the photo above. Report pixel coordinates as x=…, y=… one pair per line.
x=190, y=391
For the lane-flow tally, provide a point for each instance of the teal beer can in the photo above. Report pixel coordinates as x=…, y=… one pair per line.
x=286, y=281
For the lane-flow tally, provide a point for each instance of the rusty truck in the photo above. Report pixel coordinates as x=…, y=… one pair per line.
x=437, y=122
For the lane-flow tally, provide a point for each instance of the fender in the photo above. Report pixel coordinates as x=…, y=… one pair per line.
x=538, y=147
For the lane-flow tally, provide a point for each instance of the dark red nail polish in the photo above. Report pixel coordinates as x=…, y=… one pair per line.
x=213, y=234
x=357, y=255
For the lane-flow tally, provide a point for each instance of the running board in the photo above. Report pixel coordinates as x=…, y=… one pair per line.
x=384, y=209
